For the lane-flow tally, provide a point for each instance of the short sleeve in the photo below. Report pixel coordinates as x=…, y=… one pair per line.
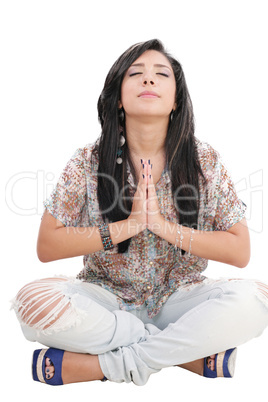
x=229, y=208
x=68, y=198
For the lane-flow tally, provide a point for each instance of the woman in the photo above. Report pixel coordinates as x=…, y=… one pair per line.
x=147, y=205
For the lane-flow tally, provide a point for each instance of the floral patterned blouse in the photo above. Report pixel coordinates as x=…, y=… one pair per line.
x=152, y=269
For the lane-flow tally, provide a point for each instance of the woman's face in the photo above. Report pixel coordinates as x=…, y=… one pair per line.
x=149, y=87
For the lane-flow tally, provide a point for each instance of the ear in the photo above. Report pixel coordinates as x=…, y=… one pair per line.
x=174, y=107
x=120, y=105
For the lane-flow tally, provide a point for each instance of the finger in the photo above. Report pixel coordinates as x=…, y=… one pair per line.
x=142, y=185
x=153, y=202
x=150, y=174
x=151, y=185
x=143, y=177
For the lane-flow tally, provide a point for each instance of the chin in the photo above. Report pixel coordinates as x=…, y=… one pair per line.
x=148, y=114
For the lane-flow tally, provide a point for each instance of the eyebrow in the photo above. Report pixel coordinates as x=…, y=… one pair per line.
x=155, y=65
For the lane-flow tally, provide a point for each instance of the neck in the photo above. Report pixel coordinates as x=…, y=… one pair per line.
x=146, y=140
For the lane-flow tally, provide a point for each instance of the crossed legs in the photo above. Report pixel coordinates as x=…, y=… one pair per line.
x=51, y=313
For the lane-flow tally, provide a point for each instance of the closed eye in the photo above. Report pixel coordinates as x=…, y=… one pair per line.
x=138, y=73
x=131, y=75
x=164, y=75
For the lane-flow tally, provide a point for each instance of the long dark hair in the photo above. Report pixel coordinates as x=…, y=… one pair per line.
x=180, y=146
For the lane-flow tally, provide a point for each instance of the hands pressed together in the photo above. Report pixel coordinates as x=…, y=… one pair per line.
x=145, y=209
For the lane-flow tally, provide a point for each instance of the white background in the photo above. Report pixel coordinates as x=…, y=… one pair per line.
x=54, y=58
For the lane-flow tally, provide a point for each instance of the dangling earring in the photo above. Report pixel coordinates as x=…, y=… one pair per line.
x=171, y=115
x=122, y=115
x=122, y=141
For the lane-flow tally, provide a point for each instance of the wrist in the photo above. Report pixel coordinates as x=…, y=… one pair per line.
x=158, y=225
x=134, y=227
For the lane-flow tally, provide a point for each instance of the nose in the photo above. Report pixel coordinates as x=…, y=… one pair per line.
x=145, y=82
x=148, y=78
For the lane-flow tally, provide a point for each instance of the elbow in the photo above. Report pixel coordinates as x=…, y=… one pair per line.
x=47, y=241
x=242, y=260
x=43, y=257
x=239, y=245
x=43, y=252
x=242, y=264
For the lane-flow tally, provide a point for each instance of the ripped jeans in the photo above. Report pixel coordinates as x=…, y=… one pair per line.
x=196, y=321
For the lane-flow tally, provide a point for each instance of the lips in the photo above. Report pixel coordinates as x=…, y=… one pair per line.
x=148, y=94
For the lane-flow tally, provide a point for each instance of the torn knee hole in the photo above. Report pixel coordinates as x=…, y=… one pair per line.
x=44, y=313
x=40, y=305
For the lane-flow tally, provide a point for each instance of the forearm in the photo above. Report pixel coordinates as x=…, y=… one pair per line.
x=65, y=242
x=227, y=247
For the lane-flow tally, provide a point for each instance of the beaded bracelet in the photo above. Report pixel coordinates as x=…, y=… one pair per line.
x=176, y=240
x=179, y=233
x=191, y=239
x=105, y=236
